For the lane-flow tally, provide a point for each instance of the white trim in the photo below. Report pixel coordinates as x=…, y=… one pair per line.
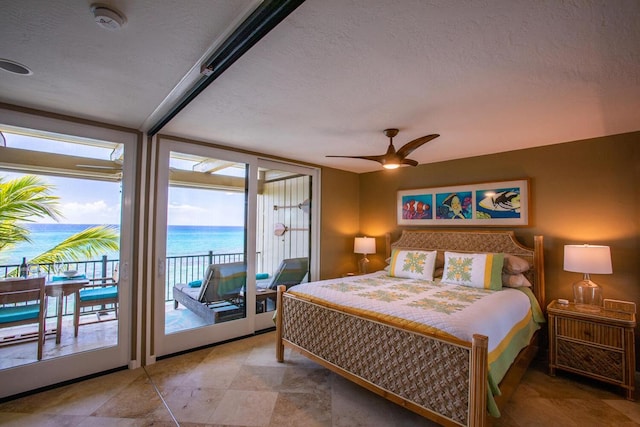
x=52, y=371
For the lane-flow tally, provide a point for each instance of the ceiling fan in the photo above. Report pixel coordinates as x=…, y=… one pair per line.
x=392, y=159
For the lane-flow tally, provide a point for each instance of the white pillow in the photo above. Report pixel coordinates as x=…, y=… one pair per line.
x=412, y=264
x=474, y=270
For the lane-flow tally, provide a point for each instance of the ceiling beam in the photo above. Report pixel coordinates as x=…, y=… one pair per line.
x=266, y=16
x=188, y=179
x=38, y=162
x=212, y=165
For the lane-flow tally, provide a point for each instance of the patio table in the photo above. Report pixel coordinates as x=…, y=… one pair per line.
x=60, y=289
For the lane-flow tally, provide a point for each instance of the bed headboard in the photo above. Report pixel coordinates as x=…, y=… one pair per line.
x=479, y=241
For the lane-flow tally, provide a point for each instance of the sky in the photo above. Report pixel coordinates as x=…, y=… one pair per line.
x=99, y=202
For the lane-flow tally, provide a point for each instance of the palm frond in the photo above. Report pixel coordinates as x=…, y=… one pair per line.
x=25, y=197
x=11, y=234
x=86, y=244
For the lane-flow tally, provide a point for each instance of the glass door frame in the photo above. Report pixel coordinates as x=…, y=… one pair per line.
x=163, y=344
x=52, y=371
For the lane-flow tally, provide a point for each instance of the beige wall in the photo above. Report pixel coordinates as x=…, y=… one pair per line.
x=581, y=192
x=340, y=222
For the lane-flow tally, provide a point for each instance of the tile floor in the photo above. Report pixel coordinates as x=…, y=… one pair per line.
x=91, y=335
x=240, y=384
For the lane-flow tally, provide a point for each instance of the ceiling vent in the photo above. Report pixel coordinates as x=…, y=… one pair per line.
x=14, y=67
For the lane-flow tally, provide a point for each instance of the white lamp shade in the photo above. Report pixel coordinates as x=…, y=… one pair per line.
x=364, y=245
x=590, y=259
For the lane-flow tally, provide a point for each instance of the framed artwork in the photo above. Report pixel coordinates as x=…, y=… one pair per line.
x=492, y=204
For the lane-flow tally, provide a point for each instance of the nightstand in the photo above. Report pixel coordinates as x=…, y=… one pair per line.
x=598, y=344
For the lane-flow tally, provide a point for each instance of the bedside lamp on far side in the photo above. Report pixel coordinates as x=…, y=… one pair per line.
x=364, y=246
x=587, y=259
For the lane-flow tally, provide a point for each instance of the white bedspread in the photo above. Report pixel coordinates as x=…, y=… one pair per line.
x=448, y=310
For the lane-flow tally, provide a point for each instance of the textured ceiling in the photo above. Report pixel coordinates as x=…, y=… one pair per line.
x=488, y=76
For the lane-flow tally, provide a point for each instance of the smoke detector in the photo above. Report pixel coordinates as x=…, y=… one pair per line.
x=107, y=17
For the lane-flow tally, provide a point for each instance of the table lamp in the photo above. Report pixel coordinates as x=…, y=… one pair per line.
x=587, y=259
x=364, y=246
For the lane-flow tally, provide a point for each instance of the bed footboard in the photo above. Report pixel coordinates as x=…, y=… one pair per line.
x=441, y=380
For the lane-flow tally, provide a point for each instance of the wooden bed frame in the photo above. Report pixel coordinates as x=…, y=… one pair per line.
x=441, y=379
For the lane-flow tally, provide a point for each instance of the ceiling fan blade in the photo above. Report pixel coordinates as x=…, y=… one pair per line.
x=374, y=158
x=409, y=162
x=392, y=158
x=409, y=147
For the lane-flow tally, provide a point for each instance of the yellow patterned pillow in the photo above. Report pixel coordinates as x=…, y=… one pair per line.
x=474, y=270
x=412, y=264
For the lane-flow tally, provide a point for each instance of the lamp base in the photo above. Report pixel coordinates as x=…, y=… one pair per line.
x=362, y=265
x=587, y=295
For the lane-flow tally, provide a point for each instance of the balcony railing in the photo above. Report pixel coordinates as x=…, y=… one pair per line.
x=92, y=269
x=179, y=269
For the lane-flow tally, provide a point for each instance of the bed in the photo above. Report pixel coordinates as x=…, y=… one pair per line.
x=449, y=374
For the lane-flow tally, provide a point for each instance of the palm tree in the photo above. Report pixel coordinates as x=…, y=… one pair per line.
x=27, y=198
x=22, y=199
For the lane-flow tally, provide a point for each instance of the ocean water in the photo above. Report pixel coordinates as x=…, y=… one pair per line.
x=181, y=240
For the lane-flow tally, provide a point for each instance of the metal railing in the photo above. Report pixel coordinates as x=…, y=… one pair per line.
x=179, y=269
x=92, y=269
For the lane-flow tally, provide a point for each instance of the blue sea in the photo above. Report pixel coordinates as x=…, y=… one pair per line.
x=181, y=240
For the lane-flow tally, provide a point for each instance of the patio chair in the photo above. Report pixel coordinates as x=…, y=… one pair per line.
x=290, y=272
x=99, y=297
x=22, y=301
x=218, y=296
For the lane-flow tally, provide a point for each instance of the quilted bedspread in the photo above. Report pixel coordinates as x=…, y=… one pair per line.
x=508, y=317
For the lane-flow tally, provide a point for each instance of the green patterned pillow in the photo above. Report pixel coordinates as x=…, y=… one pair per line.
x=474, y=270
x=412, y=264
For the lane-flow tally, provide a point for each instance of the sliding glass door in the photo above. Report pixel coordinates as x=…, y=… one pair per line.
x=66, y=212
x=228, y=229
x=202, y=235
x=284, y=219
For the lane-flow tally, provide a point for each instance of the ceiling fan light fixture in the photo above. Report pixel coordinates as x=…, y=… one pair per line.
x=393, y=159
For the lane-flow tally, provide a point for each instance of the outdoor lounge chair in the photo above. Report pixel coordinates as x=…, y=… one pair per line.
x=218, y=297
x=290, y=272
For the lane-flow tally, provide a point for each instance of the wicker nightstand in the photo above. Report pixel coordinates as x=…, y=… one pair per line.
x=597, y=344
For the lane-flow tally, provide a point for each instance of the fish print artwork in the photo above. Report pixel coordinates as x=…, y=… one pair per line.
x=498, y=203
x=454, y=205
x=417, y=206
x=487, y=204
